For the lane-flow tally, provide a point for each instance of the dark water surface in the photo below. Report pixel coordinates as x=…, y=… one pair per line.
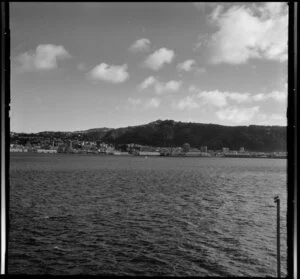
x=76, y=214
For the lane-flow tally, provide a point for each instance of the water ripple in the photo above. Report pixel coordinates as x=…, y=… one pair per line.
x=129, y=216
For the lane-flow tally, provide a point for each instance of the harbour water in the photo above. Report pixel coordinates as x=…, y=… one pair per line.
x=77, y=214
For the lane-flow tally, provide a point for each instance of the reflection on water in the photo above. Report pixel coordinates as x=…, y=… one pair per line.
x=130, y=216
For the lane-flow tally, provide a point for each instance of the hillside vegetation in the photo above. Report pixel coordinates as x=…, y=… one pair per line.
x=171, y=133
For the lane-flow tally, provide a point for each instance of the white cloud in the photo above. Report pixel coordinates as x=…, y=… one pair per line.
x=147, y=82
x=186, y=65
x=134, y=101
x=273, y=119
x=279, y=117
x=215, y=14
x=259, y=97
x=186, y=103
x=156, y=60
x=215, y=98
x=278, y=96
x=190, y=66
x=140, y=45
x=160, y=87
x=237, y=115
x=244, y=32
x=43, y=58
x=109, y=73
x=238, y=97
x=168, y=87
x=270, y=9
x=220, y=99
x=153, y=103
x=202, y=41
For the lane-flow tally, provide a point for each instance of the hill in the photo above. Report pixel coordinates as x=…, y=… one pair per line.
x=171, y=133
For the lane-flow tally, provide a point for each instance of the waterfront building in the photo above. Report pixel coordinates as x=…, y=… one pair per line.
x=51, y=151
x=109, y=150
x=120, y=153
x=225, y=149
x=148, y=153
x=193, y=153
x=165, y=152
x=203, y=149
x=176, y=151
x=205, y=154
x=17, y=149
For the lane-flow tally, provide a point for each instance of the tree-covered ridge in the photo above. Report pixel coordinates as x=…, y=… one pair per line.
x=171, y=133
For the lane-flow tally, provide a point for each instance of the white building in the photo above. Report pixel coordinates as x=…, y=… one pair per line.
x=18, y=149
x=52, y=151
x=148, y=153
x=225, y=149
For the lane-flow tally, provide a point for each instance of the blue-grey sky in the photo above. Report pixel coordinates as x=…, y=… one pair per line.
x=76, y=66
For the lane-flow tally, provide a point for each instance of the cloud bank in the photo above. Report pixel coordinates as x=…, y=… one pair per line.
x=259, y=31
x=237, y=115
x=234, y=107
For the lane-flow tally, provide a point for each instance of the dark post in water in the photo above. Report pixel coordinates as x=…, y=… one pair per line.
x=277, y=200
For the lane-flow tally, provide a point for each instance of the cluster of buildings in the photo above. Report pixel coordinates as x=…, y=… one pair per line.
x=100, y=148
x=36, y=149
x=62, y=147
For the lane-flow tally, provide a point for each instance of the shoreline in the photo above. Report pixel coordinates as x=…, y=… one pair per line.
x=150, y=156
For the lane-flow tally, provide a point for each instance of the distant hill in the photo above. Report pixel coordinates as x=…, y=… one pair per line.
x=171, y=133
x=94, y=130
x=95, y=133
x=85, y=135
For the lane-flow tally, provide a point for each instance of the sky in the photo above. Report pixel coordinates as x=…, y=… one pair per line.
x=76, y=66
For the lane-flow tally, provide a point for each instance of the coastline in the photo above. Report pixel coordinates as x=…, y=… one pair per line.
x=151, y=156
